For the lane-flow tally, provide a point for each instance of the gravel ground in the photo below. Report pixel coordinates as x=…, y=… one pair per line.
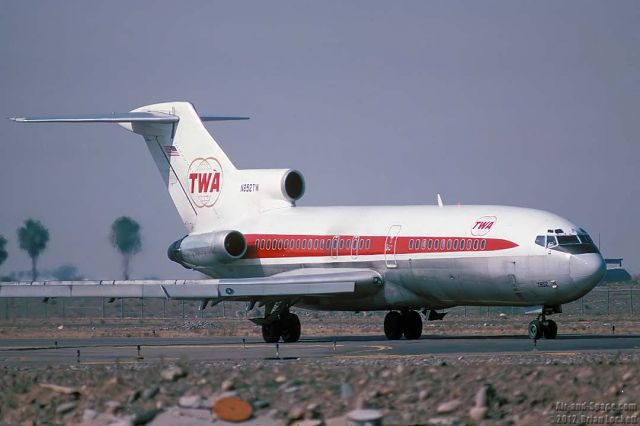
x=520, y=389
x=494, y=389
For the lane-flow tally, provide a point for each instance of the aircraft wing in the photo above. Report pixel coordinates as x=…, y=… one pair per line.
x=298, y=283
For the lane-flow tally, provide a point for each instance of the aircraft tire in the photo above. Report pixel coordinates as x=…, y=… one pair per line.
x=271, y=332
x=290, y=328
x=393, y=325
x=550, y=329
x=411, y=325
x=535, y=330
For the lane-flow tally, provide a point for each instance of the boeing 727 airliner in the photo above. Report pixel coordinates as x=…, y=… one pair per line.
x=246, y=232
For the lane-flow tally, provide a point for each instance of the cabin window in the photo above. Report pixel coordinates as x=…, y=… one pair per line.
x=348, y=244
x=442, y=242
x=268, y=244
x=455, y=244
x=551, y=241
x=335, y=243
x=368, y=244
x=436, y=244
x=321, y=244
x=430, y=244
x=309, y=243
x=261, y=244
x=448, y=244
x=410, y=244
x=286, y=244
x=298, y=244
x=475, y=244
x=274, y=243
x=279, y=244
x=540, y=240
x=361, y=244
x=315, y=244
x=483, y=244
x=304, y=244
x=468, y=244
x=424, y=244
x=341, y=244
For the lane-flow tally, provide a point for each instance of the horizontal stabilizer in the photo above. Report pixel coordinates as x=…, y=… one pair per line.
x=125, y=117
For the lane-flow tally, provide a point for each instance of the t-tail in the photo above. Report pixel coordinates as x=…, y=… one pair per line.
x=208, y=191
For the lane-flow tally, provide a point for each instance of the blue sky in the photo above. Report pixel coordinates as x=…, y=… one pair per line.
x=491, y=102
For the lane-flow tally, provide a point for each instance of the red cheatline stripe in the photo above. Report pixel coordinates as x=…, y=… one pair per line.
x=284, y=245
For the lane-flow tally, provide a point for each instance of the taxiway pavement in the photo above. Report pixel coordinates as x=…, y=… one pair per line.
x=108, y=350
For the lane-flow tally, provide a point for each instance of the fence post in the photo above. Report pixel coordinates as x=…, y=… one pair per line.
x=103, y=308
x=224, y=314
x=164, y=308
x=608, y=298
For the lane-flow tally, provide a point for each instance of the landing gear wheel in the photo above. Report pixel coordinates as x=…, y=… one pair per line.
x=549, y=329
x=411, y=325
x=535, y=330
x=393, y=325
x=271, y=332
x=290, y=328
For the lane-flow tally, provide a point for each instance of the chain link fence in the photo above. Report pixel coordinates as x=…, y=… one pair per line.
x=601, y=301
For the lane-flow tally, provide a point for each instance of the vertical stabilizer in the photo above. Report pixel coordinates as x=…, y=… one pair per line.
x=192, y=164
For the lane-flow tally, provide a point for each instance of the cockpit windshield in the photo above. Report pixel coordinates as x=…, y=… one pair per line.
x=574, y=242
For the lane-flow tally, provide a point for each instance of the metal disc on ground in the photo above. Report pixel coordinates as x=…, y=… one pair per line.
x=232, y=409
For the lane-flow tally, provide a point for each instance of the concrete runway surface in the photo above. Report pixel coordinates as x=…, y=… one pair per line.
x=106, y=350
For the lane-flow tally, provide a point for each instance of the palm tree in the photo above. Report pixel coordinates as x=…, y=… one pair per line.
x=3, y=251
x=125, y=237
x=33, y=237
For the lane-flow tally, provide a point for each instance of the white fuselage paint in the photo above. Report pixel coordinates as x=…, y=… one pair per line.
x=514, y=276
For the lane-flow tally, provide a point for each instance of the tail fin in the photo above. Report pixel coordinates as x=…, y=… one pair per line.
x=194, y=167
x=190, y=161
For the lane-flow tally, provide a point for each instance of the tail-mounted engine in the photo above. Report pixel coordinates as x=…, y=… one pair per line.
x=271, y=188
x=208, y=249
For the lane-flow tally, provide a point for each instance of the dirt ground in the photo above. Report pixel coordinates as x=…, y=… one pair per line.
x=312, y=325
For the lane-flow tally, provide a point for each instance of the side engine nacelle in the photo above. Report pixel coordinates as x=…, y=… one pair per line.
x=208, y=249
x=270, y=187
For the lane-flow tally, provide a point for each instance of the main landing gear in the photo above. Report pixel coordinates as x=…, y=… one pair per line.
x=408, y=323
x=543, y=327
x=286, y=326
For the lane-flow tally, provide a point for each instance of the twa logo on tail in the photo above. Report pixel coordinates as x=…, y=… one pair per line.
x=205, y=181
x=483, y=225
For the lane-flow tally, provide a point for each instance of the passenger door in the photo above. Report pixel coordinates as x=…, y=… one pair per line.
x=390, y=246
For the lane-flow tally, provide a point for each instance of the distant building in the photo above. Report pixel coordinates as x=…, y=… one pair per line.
x=615, y=272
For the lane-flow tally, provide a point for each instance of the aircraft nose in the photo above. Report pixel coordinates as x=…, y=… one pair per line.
x=587, y=269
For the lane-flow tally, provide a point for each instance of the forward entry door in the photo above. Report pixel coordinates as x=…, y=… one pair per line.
x=390, y=246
